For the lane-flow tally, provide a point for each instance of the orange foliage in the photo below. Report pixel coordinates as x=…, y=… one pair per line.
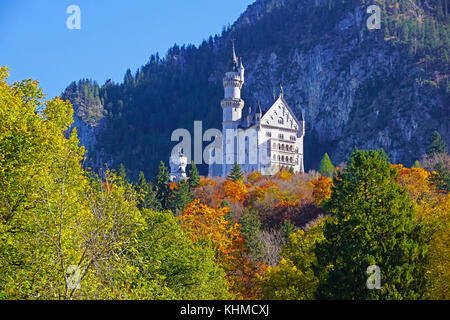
x=235, y=191
x=321, y=189
x=285, y=175
x=206, y=181
x=254, y=176
x=203, y=222
x=417, y=180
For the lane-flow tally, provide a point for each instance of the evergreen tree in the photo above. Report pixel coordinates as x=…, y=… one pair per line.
x=193, y=176
x=181, y=197
x=372, y=224
x=123, y=173
x=236, y=173
x=417, y=164
x=251, y=229
x=437, y=144
x=149, y=200
x=326, y=168
x=161, y=184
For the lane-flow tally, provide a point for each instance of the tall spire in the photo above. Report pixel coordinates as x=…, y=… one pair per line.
x=281, y=90
x=235, y=59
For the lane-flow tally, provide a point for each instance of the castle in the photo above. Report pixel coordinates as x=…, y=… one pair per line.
x=266, y=140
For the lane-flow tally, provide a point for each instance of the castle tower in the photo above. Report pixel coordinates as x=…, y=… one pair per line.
x=178, y=163
x=232, y=106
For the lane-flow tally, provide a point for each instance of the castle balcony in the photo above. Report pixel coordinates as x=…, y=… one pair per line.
x=283, y=146
x=232, y=102
x=284, y=160
x=234, y=82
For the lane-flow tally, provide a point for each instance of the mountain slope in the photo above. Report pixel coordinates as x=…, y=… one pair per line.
x=360, y=88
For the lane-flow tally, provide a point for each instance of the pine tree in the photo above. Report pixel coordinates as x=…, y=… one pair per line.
x=193, y=176
x=437, y=144
x=372, y=223
x=236, y=173
x=149, y=200
x=161, y=183
x=181, y=197
x=123, y=173
x=326, y=168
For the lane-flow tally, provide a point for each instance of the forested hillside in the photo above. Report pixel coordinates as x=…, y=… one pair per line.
x=67, y=232
x=366, y=88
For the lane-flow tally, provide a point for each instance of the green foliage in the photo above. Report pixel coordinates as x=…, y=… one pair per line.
x=148, y=198
x=373, y=224
x=123, y=173
x=161, y=184
x=185, y=269
x=193, y=176
x=236, y=173
x=326, y=168
x=54, y=219
x=293, y=278
x=181, y=196
x=251, y=229
x=437, y=144
x=60, y=224
x=287, y=228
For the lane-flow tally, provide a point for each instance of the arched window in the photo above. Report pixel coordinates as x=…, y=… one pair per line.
x=280, y=121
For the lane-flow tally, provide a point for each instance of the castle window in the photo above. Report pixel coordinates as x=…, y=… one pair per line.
x=268, y=134
x=280, y=121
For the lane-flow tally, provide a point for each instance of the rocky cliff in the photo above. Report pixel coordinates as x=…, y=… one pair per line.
x=384, y=88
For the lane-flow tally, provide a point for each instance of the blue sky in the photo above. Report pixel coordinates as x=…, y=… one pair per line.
x=115, y=35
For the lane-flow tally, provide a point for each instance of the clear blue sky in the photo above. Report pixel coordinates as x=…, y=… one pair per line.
x=115, y=35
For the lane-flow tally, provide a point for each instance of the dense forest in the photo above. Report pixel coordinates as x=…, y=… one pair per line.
x=131, y=122
x=358, y=225
x=69, y=233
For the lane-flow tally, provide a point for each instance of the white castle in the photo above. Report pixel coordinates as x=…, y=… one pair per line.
x=178, y=163
x=266, y=140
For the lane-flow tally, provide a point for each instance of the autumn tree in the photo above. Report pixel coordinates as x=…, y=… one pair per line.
x=63, y=233
x=176, y=267
x=293, y=278
x=203, y=222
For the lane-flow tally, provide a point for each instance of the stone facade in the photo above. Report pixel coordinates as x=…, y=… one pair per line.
x=266, y=139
